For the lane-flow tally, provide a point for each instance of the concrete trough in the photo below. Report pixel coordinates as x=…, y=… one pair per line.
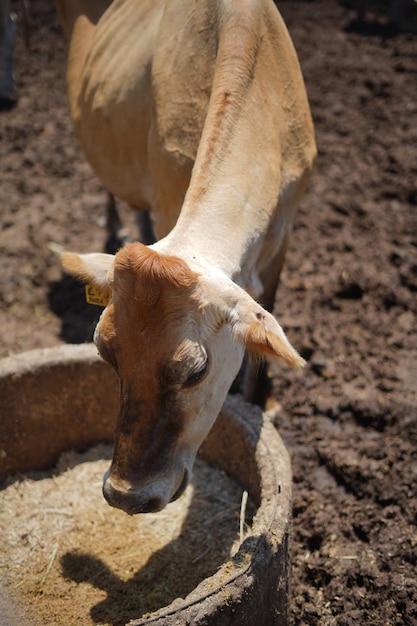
x=52, y=400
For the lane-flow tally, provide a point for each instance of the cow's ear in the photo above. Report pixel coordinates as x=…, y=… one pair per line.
x=95, y=269
x=261, y=334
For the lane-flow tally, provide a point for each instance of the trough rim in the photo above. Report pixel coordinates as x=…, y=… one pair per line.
x=271, y=522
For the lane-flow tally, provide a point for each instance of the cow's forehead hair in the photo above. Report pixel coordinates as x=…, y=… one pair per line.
x=139, y=268
x=153, y=295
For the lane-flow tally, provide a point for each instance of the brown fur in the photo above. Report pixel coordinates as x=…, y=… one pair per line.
x=143, y=275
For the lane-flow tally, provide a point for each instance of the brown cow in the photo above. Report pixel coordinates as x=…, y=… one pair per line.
x=197, y=111
x=8, y=28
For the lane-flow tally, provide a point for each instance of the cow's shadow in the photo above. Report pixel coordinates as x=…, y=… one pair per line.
x=157, y=583
x=66, y=298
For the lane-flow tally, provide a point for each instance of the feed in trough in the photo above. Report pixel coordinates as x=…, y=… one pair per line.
x=66, y=553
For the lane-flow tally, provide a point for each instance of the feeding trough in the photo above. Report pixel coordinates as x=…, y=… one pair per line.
x=63, y=398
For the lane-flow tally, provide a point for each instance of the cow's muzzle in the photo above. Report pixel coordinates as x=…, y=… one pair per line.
x=149, y=499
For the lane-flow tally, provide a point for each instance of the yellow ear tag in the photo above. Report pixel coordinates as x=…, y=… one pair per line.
x=93, y=295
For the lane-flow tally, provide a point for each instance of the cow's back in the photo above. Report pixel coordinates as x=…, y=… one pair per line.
x=141, y=97
x=111, y=99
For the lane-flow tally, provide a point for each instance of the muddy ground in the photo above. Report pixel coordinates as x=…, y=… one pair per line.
x=347, y=298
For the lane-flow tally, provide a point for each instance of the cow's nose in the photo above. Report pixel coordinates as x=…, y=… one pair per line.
x=132, y=500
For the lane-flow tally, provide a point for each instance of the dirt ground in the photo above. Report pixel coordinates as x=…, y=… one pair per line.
x=347, y=298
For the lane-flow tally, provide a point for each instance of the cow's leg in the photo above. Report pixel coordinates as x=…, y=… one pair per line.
x=145, y=227
x=117, y=235
x=256, y=382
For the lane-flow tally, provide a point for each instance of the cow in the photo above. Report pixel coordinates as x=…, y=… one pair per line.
x=7, y=39
x=196, y=111
x=9, y=22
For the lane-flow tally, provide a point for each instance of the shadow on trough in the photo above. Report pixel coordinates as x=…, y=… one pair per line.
x=159, y=582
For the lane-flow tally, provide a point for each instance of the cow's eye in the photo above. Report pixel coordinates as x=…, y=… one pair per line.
x=196, y=375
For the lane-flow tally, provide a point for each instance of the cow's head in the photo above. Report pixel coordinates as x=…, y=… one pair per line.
x=176, y=340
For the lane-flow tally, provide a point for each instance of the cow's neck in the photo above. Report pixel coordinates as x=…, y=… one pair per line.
x=235, y=183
